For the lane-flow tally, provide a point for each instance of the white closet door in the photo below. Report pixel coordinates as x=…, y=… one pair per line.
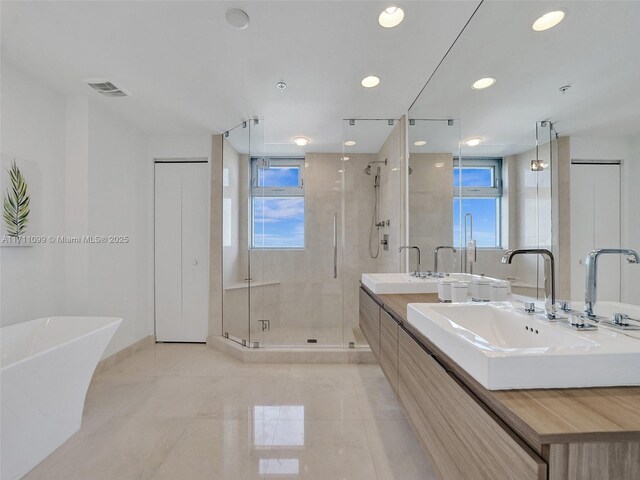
x=195, y=252
x=607, y=229
x=181, y=252
x=168, y=244
x=595, y=223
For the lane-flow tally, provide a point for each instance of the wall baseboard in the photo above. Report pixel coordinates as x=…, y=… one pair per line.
x=115, y=358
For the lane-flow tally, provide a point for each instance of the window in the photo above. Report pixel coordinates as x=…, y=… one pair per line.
x=479, y=185
x=277, y=203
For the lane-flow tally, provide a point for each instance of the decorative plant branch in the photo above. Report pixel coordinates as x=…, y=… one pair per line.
x=16, y=203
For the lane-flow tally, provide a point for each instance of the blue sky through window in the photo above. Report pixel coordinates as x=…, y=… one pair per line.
x=278, y=222
x=473, y=177
x=278, y=177
x=484, y=211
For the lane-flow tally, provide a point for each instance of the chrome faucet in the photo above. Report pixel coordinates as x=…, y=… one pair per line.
x=549, y=276
x=408, y=247
x=435, y=255
x=591, y=263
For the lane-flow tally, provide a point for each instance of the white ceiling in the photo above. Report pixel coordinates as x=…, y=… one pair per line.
x=596, y=49
x=190, y=72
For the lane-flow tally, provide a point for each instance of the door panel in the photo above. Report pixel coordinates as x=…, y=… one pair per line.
x=595, y=223
x=181, y=252
x=168, y=240
x=195, y=252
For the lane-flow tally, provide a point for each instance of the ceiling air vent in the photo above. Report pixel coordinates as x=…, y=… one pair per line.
x=107, y=88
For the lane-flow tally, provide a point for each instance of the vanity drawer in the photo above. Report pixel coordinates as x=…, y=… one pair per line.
x=389, y=348
x=463, y=440
x=370, y=321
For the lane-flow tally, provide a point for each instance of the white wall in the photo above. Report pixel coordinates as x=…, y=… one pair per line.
x=95, y=179
x=33, y=130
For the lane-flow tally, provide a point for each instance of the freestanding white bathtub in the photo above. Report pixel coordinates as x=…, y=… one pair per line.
x=45, y=372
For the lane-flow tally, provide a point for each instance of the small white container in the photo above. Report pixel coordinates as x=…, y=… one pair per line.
x=459, y=292
x=444, y=289
x=498, y=291
x=480, y=290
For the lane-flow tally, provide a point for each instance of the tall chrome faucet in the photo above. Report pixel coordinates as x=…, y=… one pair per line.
x=549, y=276
x=435, y=255
x=408, y=247
x=591, y=263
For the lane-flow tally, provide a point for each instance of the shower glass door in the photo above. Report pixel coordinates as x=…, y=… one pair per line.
x=372, y=169
x=236, y=275
x=296, y=227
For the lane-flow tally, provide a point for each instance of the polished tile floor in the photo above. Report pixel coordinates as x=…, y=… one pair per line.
x=182, y=412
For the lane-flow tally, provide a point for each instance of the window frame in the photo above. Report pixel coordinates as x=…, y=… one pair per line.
x=258, y=163
x=264, y=163
x=479, y=192
x=495, y=163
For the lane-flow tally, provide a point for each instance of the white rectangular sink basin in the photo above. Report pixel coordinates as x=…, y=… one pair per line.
x=390, y=283
x=504, y=349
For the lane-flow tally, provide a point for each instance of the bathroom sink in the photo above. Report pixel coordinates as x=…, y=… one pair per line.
x=390, y=283
x=504, y=349
x=387, y=283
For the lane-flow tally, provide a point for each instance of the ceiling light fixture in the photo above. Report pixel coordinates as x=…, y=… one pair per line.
x=281, y=85
x=301, y=141
x=483, y=83
x=473, y=141
x=391, y=17
x=345, y=159
x=350, y=143
x=237, y=18
x=370, y=81
x=439, y=165
x=420, y=143
x=548, y=20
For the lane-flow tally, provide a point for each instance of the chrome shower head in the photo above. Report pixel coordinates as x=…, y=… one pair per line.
x=367, y=170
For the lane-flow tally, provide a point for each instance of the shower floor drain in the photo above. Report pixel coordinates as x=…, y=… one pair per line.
x=312, y=340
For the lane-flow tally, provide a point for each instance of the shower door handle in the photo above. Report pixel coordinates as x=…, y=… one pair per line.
x=335, y=245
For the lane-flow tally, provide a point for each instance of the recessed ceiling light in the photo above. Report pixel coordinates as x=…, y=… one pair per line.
x=350, y=143
x=420, y=143
x=483, y=83
x=301, y=141
x=281, y=85
x=237, y=18
x=391, y=17
x=473, y=141
x=439, y=165
x=370, y=81
x=548, y=20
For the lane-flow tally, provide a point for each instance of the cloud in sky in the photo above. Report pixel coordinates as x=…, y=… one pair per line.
x=278, y=177
x=278, y=222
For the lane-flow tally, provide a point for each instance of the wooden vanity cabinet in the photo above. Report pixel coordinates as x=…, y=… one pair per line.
x=389, y=348
x=370, y=321
x=464, y=441
x=470, y=433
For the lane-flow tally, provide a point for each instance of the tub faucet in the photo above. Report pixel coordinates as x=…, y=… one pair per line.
x=549, y=276
x=435, y=255
x=409, y=247
x=591, y=264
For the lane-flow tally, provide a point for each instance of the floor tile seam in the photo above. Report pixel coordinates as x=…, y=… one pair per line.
x=175, y=444
x=369, y=442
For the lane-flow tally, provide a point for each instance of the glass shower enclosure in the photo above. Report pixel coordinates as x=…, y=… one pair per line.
x=283, y=242
x=290, y=214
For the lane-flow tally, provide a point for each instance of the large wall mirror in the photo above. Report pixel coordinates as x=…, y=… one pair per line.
x=538, y=158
